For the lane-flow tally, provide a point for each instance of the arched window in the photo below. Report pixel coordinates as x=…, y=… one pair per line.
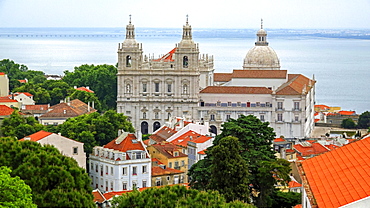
x=156, y=115
x=213, y=129
x=144, y=115
x=168, y=116
x=144, y=127
x=156, y=125
x=128, y=61
x=185, y=62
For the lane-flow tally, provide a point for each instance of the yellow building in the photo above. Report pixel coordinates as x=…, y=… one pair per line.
x=171, y=156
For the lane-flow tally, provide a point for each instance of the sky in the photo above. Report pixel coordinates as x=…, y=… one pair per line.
x=295, y=14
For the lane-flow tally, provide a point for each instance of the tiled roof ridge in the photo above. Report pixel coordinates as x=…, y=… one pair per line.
x=306, y=186
x=167, y=57
x=235, y=90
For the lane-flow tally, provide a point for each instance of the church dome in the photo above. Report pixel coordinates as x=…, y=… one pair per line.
x=261, y=56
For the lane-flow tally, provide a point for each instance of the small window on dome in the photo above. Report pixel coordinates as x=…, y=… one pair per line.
x=128, y=61
x=185, y=62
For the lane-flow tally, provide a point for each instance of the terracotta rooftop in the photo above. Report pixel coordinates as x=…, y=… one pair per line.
x=167, y=57
x=5, y=110
x=222, y=77
x=37, y=136
x=2, y=73
x=236, y=90
x=294, y=184
x=296, y=85
x=168, y=150
x=279, y=140
x=310, y=150
x=155, y=160
x=65, y=110
x=126, y=141
x=22, y=80
x=264, y=74
x=190, y=136
x=84, y=89
x=322, y=107
x=158, y=171
x=340, y=176
x=6, y=99
x=347, y=113
x=202, y=152
x=36, y=107
x=98, y=196
x=162, y=134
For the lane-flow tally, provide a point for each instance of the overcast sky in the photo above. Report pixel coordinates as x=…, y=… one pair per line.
x=172, y=13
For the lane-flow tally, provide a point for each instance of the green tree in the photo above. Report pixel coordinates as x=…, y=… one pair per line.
x=14, y=192
x=19, y=126
x=348, y=123
x=173, y=196
x=40, y=95
x=57, y=89
x=101, y=78
x=229, y=172
x=95, y=129
x=364, y=120
x=286, y=199
x=87, y=97
x=56, y=180
x=255, y=139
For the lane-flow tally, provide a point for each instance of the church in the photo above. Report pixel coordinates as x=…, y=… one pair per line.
x=183, y=83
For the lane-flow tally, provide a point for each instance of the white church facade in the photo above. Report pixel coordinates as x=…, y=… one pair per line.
x=183, y=83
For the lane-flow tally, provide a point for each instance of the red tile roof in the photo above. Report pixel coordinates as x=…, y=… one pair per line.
x=158, y=171
x=222, y=77
x=279, y=140
x=37, y=136
x=316, y=120
x=162, y=134
x=289, y=150
x=22, y=80
x=202, y=152
x=98, y=196
x=190, y=136
x=168, y=150
x=322, y=107
x=6, y=99
x=84, y=89
x=310, y=150
x=36, y=107
x=25, y=93
x=236, y=90
x=5, y=110
x=264, y=74
x=167, y=57
x=347, y=113
x=65, y=110
x=125, y=142
x=296, y=85
x=155, y=160
x=2, y=73
x=293, y=184
x=341, y=176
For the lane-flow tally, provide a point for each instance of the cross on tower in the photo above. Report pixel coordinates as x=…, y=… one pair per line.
x=130, y=18
x=261, y=23
x=187, y=18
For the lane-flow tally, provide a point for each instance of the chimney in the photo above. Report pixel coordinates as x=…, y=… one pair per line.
x=139, y=136
x=75, y=87
x=60, y=134
x=27, y=138
x=87, y=87
x=88, y=106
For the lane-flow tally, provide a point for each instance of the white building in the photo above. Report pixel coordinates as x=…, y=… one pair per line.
x=24, y=98
x=182, y=83
x=66, y=146
x=122, y=164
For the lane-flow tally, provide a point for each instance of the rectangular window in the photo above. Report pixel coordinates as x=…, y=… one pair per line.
x=169, y=87
x=106, y=170
x=262, y=117
x=124, y=171
x=111, y=185
x=96, y=168
x=228, y=104
x=144, y=168
x=182, y=163
x=296, y=105
x=228, y=116
x=156, y=87
x=218, y=104
x=280, y=117
x=248, y=104
x=296, y=118
x=239, y=104
x=144, y=184
x=92, y=166
x=111, y=170
x=280, y=105
x=212, y=117
x=124, y=186
x=258, y=104
x=170, y=164
x=176, y=164
x=144, y=87
x=134, y=170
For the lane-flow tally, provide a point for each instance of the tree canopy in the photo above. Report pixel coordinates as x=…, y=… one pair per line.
x=20, y=126
x=101, y=78
x=14, y=192
x=56, y=180
x=255, y=140
x=173, y=196
x=95, y=129
x=364, y=120
x=348, y=123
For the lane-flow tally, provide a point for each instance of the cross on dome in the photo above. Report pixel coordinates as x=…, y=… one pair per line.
x=130, y=19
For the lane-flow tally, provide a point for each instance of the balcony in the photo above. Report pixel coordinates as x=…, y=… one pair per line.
x=177, y=167
x=297, y=109
x=279, y=109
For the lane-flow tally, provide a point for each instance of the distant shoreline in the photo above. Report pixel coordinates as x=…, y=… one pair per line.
x=176, y=32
